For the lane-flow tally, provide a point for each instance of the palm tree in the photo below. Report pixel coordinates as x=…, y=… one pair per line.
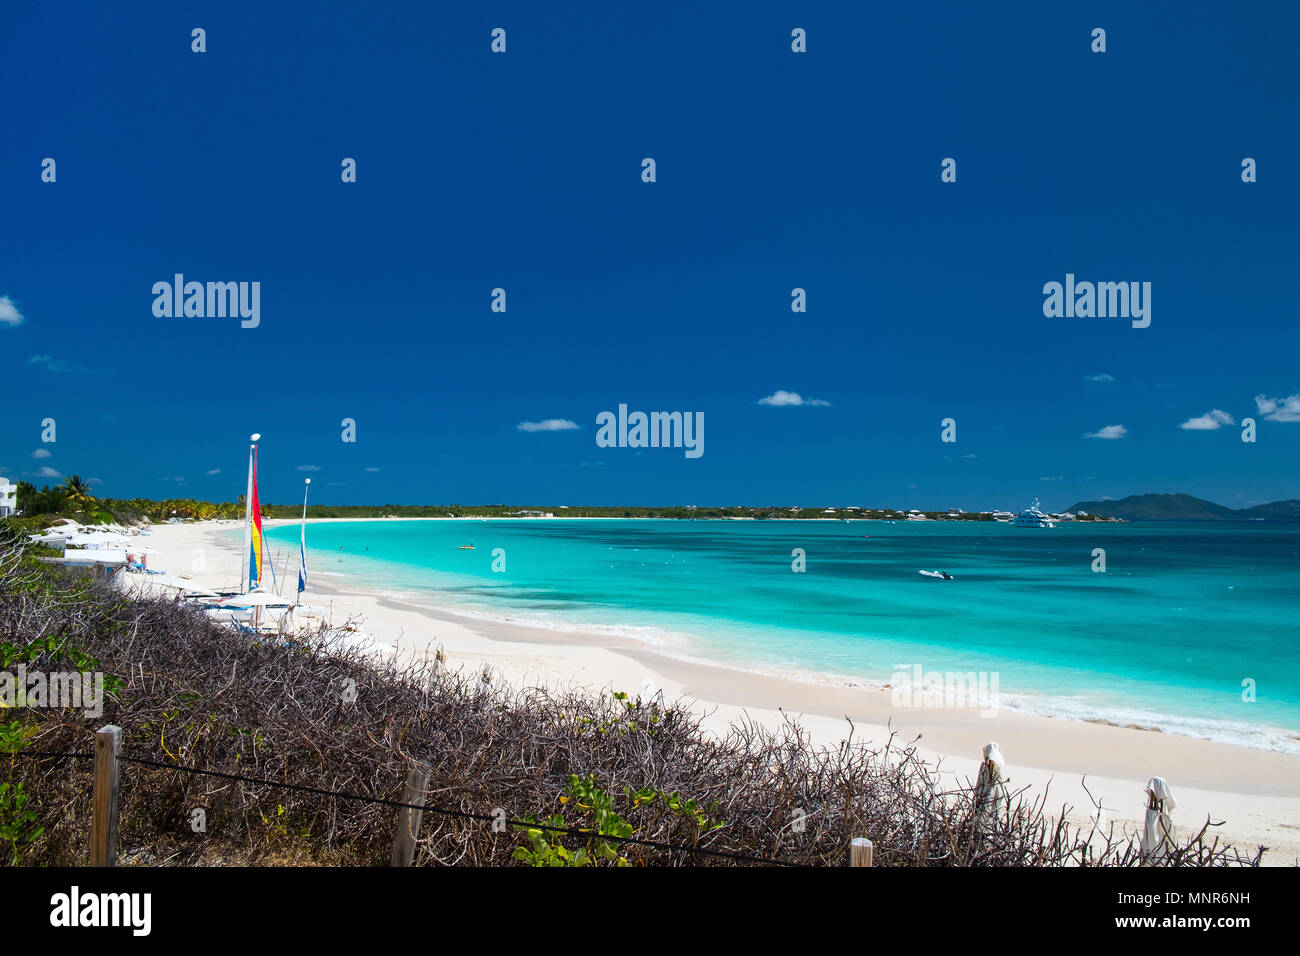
x=78, y=492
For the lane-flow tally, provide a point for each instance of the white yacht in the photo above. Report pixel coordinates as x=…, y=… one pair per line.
x=1033, y=517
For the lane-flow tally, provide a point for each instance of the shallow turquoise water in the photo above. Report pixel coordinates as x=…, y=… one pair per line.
x=1165, y=637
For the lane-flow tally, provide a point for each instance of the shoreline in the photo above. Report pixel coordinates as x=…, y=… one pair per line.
x=1256, y=791
x=677, y=641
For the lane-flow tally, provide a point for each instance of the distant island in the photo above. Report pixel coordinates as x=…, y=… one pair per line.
x=1186, y=508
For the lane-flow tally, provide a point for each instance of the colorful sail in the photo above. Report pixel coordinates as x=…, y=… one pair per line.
x=256, y=541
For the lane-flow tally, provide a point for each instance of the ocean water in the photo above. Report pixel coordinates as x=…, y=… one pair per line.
x=1165, y=637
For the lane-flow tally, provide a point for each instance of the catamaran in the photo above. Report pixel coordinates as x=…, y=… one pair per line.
x=251, y=606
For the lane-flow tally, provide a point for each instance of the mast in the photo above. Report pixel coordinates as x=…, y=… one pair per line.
x=246, y=562
x=302, y=568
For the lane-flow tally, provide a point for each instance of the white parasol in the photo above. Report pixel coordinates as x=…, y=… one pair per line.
x=1158, y=829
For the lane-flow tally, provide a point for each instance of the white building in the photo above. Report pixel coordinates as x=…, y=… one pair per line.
x=8, y=498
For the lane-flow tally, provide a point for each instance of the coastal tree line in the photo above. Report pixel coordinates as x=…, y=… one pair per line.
x=74, y=499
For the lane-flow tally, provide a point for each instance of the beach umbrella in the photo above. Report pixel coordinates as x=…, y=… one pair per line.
x=991, y=797
x=1158, y=829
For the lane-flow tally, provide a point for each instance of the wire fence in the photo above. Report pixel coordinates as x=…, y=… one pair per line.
x=586, y=833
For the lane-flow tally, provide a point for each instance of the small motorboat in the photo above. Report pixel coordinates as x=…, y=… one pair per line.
x=465, y=547
x=941, y=575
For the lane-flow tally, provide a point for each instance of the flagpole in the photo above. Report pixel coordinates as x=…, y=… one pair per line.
x=248, y=518
x=302, y=569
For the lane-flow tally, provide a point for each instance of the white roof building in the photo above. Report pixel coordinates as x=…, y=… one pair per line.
x=8, y=498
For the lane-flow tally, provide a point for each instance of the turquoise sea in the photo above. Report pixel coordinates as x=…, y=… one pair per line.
x=1165, y=637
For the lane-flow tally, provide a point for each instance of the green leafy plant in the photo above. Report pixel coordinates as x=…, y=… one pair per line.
x=17, y=821
x=18, y=827
x=598, y=817
x=678, y=804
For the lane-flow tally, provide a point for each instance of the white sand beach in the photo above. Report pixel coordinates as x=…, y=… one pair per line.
x=1256, y=792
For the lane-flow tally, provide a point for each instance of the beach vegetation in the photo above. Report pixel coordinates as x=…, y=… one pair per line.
x=593, y=812
x=19, y=826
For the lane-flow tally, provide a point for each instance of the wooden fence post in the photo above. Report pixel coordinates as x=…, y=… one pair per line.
x=860, y=852
x=408, y=818
x=103, y=827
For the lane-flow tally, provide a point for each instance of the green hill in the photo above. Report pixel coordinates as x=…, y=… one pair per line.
x=1186, y=508
x=1288, y=510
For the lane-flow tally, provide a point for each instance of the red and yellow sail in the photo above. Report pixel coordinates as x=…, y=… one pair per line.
x=256, y=541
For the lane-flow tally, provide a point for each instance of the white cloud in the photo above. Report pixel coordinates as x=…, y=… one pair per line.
x=781, y=398
x=1100, y=377
x=41, y=453
x=1108, y=431
x=309, y=467
x=9, y=314
x=548, y=425
x=1214, y=418
x=971, y=455
x=213, y=471
x=59, y=366
x=1054, y=478
x=48, y=472
x=372, y=468
x=1279, y=409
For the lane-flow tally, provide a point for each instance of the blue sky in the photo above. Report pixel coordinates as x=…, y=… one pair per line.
x=775, y=170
